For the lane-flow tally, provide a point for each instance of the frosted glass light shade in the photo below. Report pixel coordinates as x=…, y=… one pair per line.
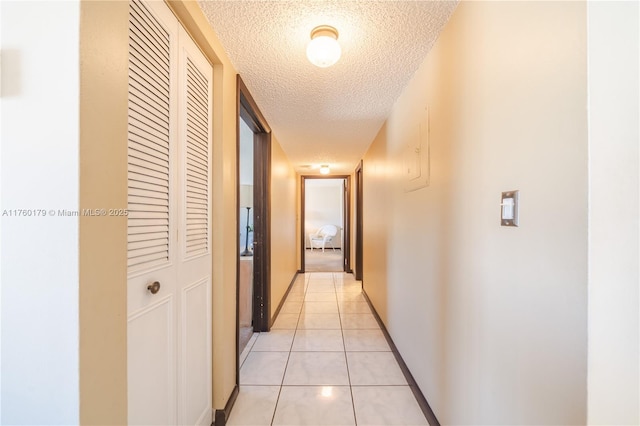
x=246, y=196
x=323, y=50
x=324, y=169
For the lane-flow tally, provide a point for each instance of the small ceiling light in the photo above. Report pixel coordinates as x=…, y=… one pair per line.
x=324, y=169
x=323, y=49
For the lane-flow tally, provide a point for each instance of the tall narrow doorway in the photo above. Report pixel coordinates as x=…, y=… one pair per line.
x=245, y=222
x=254, y=222
x=325, y=224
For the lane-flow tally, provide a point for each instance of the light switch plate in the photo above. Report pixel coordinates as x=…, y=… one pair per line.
x=509, y=206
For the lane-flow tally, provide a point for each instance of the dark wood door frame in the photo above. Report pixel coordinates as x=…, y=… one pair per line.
x=359, y=229
x=346, y=214
x=249, y=112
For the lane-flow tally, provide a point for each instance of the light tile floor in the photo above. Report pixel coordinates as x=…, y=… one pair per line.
x=324, y=362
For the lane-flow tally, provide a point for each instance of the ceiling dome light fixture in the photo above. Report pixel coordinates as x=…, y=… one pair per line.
x=323, y=50
x=324, y=169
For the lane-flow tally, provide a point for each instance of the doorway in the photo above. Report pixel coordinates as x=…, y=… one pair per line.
x=325, y=223
x=245, y=222
x=253, y=151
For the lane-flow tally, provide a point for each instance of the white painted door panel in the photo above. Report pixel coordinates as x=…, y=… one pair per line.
x=169, y=233
x=151, y=364
x=195, y=236
x=196, y=398
x=151, y=337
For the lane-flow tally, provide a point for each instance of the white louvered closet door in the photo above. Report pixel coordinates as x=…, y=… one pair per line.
x=194, y=263
x=169, y=234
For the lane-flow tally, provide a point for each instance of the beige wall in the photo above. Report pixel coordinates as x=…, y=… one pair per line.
x=490, y=320
x=614, y=389
x=283, y=224
x=103, y=184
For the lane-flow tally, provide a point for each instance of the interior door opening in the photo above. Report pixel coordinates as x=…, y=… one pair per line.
x=245, y=223
x=325, y=224
x=254, y=221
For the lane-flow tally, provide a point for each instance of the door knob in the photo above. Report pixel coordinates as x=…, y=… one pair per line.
x=154, y=287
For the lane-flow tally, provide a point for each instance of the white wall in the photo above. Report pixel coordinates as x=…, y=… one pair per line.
x=613, y=47
x=40, y=125
x=246, y=178
x=491, y=321
x=246, y=154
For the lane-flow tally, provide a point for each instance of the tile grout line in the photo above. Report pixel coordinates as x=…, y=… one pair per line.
x=284, y=373
x=346, y=360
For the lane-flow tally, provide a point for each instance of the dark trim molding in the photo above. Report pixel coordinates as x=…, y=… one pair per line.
x=347, y=224
x=303, y=237
x=249, y=112
x=262, y=232
x=422, y=401
x=221, y=416
x=286, y=293
x=358, y=219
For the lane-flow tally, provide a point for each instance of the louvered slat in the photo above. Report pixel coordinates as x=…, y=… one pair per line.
x=197, y=162
x=148, y=231
x=149, y=127
x=134, y=238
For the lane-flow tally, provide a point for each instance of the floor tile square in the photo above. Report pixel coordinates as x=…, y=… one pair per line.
x=351, y=297
x=298, y=286
x=349, y=287
x=343, y=276
x=374, y=368
x=286, y=321
x=318, y=341
x=359, y=321
x=365, y=340
x=319, y=276
x=320, y=297
x=316, y=368
x=314, y=405
x=321, y=307
x=263, y=368
x=255, y=406
x=291, y=307
x=274, y=341
x=297, y=296
x=354, y=307
x=247, y=348
x=319, y=321
x=321, y=287
x=386, y=405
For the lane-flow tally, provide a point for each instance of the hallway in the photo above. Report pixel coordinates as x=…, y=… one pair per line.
x=325, y=361
x=121, y=169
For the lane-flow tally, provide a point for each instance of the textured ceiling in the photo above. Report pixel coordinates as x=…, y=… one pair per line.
x=326, y=115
